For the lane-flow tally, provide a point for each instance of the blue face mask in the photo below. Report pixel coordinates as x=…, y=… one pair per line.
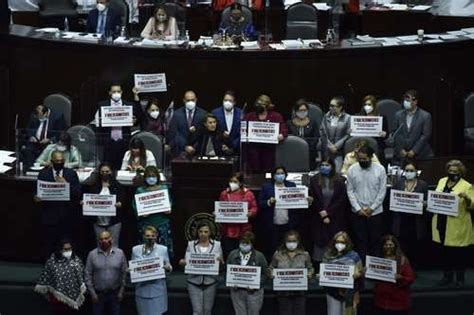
x=151, y=180
x=325, y=170
x=279, y=178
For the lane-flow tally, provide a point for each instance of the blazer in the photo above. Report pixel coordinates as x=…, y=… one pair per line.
x=116, y=189
x=215, y=248
x=265, y=215
x=417, y=137
x=179, y=130
x=337, y=135
x=152, y=288
x=112, y=23
x=55, y=212
x=256, y=259
x=56, y=124
x=234, y=135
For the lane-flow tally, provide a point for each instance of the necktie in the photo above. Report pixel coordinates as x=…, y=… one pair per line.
x=190, y=118
x=101, y=24
x=58, y=173
x=43, y=130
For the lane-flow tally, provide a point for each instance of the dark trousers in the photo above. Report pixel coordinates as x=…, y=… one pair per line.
x=368, y=233
x=454, y=259
x=107, y=300
x=292, y=305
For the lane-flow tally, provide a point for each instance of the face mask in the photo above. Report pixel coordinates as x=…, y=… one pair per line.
x=407, y=104
x=151, y=180
x=58, y=166
x=43, y=119
x=228, y=105
x=104, y=245
x=100, y=7
x=106, y=177
x=302, y=114
x=154, y=114
x=410, y=175
x=368, y=109
x=149, y=241
x=291, y=246
x=245, y=248
x=340, y=247
x=61, y=147
x=325, y=170
x=233, y=186
x=279, y=178
x=453, y=177
x=116, y=96
x=190, y=105
x=259, y=109
x=67, y=254
x=161, y=18
x=364, y=164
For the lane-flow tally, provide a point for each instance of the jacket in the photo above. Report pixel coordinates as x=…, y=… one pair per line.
x=112, y=23
x=56, y=124
x=256, y=259
x=178, y=134
x=215, y=248
x=336, y=135
x=234, y=230
x=234, y=134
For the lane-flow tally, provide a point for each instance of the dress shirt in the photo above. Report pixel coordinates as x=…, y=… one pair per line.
x=101, y=21
x=105, y=272
x=366, y=187
x=229, y=119
x=42, y=131
x=410, y=116
x=104, y=220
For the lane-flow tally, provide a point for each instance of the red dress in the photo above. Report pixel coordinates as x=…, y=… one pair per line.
x=235, y=231
x=219, y=5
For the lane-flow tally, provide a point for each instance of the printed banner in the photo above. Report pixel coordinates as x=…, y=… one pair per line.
x=263, y=132
x=381, y=269
x=290, y=279
x=231, y=211
x=243, y=131
x=291, y=197
x=153, y=82
x=247, y=277
x=366, y=126
x=407, y=202
x=153, y=202
x=202, y=264
x=336, y=276
x=116, y=116
x=53, y=191
x=146, y=269
x=443, y=203
x=99, y=205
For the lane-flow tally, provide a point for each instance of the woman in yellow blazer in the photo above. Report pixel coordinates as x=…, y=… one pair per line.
x=454, y=234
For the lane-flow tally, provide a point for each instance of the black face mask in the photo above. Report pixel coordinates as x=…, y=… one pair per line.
x=364, y=164
x=259, y=109
x=58, y=166
x=453, y=177
x=106, y=177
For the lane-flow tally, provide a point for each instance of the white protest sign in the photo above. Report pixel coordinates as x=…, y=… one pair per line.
x=153, y=82
x=231, y=211
x=146, y=269
x=366, y=126
x=263, y=132
x=202, y=264
x=116, y=116
x=443, y=203
x=243, y=276
x=153, y=202
x=290, y=279
x=336, y=276
x=381, y=269
x=291, y=197
x=99, y=205
x=243, y=131
x=407, y=202
x=53, y=191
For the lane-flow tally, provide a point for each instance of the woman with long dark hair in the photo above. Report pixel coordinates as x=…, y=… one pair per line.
x=137, y=157
x=161, y=26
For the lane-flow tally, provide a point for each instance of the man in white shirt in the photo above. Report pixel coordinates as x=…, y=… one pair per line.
x=366, y=188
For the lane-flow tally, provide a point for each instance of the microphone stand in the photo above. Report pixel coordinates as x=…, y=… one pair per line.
x=241, y=160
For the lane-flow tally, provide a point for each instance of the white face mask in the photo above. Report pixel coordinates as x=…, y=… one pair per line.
x=61, y=147
x=116, y=96
x=67, y=254
x=233, y=186
x=245, y=248
x=100, y=7
x=190, y=105
x=228, y=105
x=368, y=109
x=154, y=114
x=340, y=247
x=301, y=114
x=410, y=175
x=291, y=245
x=407, y=104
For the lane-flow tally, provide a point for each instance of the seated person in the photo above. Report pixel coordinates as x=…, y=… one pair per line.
x=103, y=19
x=237, y=25
x=72, y=156
x=208, y=141
x=160, y=26
x=351, y=157
x=137, y=158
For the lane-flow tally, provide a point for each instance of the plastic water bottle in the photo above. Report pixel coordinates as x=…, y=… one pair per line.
x=66, y=24
x=186, y=38
x=123, y=32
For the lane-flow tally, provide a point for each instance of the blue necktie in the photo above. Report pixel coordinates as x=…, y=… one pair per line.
x=101, y=24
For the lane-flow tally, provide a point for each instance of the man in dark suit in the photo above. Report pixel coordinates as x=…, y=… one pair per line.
x=115, y=139
x=228, y=121
x=413, y=132
x=43, y=128
x=184, y=122
x=103, y=20
x=58, y=217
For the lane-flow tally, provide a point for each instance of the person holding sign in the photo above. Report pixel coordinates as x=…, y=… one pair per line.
x=232, y=232
x=153, y=121
x=202, y=287
x=103, y=182
x=409, y=228
x=454, y=234
x=291, y=255
x=394, y=298
x=275, y=221
x=137, y=157
x=57, y=214
x=244, y=300
x=260, y=157
x=340, y=251
x=160, y=221
x=151, y=296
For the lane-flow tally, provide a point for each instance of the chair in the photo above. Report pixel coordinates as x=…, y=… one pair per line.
x=351, y=142
x=388, y=108
x=469, y=124
x=301, y=21
x=246, y=13
x=122, y=8
x=60, y=103
x=57, y=8
x=293, y=154
x=154, y=144
x=84, y=139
